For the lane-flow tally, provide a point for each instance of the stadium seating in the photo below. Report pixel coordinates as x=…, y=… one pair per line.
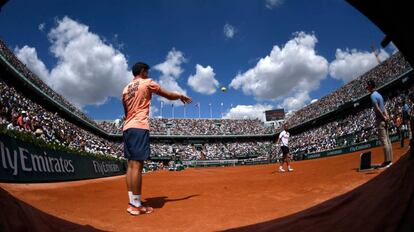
x=6, y=53
x=169, y=126
x=382, y=74
x=20, y=113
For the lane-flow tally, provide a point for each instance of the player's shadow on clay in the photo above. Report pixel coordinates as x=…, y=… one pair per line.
x=159, y=202
x=370, y=172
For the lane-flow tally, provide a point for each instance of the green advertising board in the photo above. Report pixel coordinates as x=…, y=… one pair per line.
x=344, y=150
x=24, y=162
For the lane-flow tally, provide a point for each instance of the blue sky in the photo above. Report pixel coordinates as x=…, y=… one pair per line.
x=267, y=53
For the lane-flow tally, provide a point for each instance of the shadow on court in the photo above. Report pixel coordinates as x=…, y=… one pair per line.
x=16, y=215
x=373, y=206
x=159, y=202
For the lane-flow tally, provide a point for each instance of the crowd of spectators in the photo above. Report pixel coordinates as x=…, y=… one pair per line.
x=190, y=126
x=354, y=128
x=382, y=74
x=6, y=53
x=215, y=150
x=351, y=129
x=20, y=113
x=385, y=72
x=159, y=126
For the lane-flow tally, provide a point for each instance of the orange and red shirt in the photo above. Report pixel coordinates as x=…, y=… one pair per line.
x=137, y=100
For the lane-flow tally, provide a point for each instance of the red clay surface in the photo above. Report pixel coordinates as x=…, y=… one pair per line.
x=202, y=199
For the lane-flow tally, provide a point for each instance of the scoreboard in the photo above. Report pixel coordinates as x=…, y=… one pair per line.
x=276, y=114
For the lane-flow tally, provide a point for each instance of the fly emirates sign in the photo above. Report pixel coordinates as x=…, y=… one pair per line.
x=22, y=159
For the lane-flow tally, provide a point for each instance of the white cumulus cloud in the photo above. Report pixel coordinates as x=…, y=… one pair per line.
x=248, y=112
x=170, y=73
x=295, y=102
x=203, y=80
x=41, y=27
x=350, y=64
x=88, y=71
x=270, y=4
x=229, y=31
x=288, y=72
x=28, y=56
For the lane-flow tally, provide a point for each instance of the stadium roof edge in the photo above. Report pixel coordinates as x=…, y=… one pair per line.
x=396, y=26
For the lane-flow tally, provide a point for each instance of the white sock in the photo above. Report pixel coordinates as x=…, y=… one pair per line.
x=131, y=201
x=136, y=200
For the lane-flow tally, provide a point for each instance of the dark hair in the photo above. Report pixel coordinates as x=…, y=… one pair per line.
x=138, y=67
x=371, y=83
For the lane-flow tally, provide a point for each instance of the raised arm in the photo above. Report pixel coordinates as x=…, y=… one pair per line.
x=174, y=96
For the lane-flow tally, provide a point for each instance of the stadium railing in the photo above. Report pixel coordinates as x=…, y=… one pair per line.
x=210, y=163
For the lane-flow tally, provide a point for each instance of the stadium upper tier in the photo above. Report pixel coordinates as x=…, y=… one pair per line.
x=352, y=128
x=20, y=113
x=382, y=74
x=7, y=54
x=168, y=126
x=17, y=112
x=387, y=71
x=356, y=127
x=349, y=129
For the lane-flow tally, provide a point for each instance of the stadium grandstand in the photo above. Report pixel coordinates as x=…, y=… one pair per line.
x=207, y=139
x=43, y=137
x=9, y=57
x=384, y=73
x=189, y=126
x=18, y=113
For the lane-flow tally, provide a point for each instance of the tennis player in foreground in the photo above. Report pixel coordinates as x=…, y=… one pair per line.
x=136, y=99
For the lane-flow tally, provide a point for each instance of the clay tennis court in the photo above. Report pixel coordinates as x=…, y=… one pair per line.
x=215, y=199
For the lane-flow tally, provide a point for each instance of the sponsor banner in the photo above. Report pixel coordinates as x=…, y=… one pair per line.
x=314, y=156
x=24, y=162
x=160, y=158
x=394, y=138
x=361, y=146
x=334, y=152
x=246, y=156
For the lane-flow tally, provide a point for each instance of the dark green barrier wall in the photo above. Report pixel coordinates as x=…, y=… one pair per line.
x=361, y=146
x=24, y=162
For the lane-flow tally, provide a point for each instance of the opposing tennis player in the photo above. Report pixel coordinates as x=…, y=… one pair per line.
x=284, y=138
